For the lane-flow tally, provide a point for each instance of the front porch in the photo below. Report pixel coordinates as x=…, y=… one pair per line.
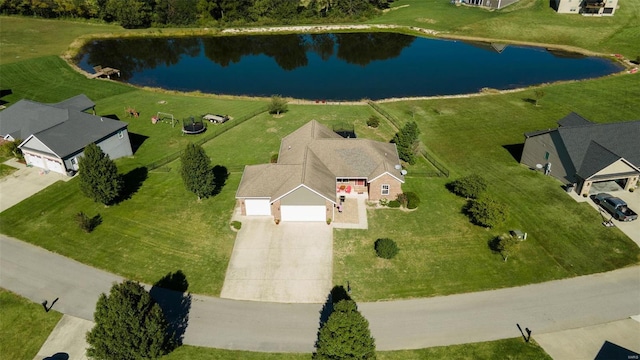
x=345, y=186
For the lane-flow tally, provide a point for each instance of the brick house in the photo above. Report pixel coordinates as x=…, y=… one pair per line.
x=315, y=167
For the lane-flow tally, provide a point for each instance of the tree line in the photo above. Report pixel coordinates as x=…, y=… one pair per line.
x=161, y=13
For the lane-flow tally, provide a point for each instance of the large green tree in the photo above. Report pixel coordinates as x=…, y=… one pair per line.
x=99, y=178
x=345, y=335
x=196, y=171
x=406, y=141
x=129, y=324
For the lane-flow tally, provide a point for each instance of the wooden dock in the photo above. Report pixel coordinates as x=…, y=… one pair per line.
x=104, y=72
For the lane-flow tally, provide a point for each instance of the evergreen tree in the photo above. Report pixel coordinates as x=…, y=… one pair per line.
x=99, y=178
x=196, y=171
x=406, y=141
x=129, y=324
x=345, y=335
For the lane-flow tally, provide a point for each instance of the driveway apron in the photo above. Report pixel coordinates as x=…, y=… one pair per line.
x=289, y=263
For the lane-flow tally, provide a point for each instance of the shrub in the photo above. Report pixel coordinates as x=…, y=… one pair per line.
x=487, y=212
x=373, y=121
x=384, y=202
x=274, y=158
x=412, y=200
x=402, y=199
x=86, y=223
x=10, y=149
x=236, y=225
x=386, y=248
x=394, y=204
x=471, y=186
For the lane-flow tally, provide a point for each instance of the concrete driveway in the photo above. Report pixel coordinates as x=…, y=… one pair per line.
x=630, y=228
x=24, y=182
x=289, y=263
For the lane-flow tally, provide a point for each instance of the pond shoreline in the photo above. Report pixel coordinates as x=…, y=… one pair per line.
x=76, y=45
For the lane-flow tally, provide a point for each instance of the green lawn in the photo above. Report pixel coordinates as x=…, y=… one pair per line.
x=500, y=349
x=24, y=326
x=526, y=20
x=440, y=251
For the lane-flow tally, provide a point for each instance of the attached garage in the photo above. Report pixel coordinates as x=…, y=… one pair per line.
x=302, y=204
x=34, y=160
x=257, y=206
x=303, y=213
x=54, y=165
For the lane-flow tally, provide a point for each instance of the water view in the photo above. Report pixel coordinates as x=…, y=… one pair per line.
x=349, y=66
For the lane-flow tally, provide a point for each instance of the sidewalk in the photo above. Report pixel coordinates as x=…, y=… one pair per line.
x=67, y=340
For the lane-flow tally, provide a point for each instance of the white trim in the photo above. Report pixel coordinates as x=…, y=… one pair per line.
x=623, y=159
x=45, y=145
x=296, y=188
x=390, y=174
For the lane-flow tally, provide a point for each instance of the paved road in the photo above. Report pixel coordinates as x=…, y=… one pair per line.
x=38, y=274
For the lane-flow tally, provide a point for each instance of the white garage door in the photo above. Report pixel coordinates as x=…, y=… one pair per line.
x=303, y=213
x=34, y=160
x=54, y=166
x=257, y=206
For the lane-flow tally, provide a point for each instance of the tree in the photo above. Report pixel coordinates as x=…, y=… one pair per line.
x=278, y=105
x=505, y=244
x=539, y=94
x=487, y=212
x=345, y=335
x=129, y=324
x=406, y=141
x=130, y=13
x=99, y=178
x=196, y=171
x=471, y=186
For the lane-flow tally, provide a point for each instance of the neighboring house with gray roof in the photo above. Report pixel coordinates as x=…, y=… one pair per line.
x=581, y=152
x=315, y=167
x=55, y=135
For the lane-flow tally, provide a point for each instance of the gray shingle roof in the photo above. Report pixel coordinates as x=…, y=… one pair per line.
x=26, y=117
x=80, y=130
x=77, y=103
x=620, y=139
x=574, y=119
x=314, y=156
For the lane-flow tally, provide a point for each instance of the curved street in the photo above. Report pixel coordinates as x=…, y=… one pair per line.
x=41, y=275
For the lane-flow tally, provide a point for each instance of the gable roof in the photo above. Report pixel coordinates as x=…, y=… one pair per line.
x=74, y=134
x=314, y=156
x=574, y=119
x=612, y=142
x=27, y=117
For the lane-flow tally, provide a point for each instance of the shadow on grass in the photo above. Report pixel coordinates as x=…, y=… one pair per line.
x=136, y=141
x=220, y=176
x=530, y=101
x=132, y=180
x=515, y=150
x=170, y=292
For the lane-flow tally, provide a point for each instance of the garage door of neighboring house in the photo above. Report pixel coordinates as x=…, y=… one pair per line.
x=54, y=165
x=303, y=213
x=35, y=160
x=257, y=206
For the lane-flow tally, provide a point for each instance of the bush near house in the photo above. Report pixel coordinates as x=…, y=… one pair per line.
x=413, y=200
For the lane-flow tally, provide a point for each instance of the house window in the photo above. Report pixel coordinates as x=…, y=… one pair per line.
x=546, y=155
x=120, y=134
x=385, y=189
x=74, y=161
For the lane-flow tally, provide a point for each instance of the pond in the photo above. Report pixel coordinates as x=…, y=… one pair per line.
x=340, y=66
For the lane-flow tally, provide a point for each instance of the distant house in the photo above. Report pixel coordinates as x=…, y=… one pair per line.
x=315, y=167
x=587, y=7
x=581, y=152
x=492, y=4
x=55, y=135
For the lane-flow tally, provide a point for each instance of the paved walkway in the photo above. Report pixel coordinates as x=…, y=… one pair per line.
x=38, y=274
x=67, y=340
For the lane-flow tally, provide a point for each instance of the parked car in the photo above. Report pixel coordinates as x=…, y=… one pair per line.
x=615, y=206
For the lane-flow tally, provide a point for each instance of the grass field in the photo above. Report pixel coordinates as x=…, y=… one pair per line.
x=24, y=326
x=501, y=349
x=526, y=20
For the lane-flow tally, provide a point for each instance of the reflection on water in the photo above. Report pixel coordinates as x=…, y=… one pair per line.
x=334, y=66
